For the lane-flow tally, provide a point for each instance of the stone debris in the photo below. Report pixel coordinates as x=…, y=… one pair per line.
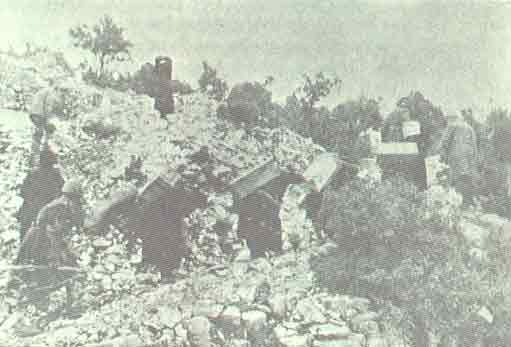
x=330, y=331
x=199, y=332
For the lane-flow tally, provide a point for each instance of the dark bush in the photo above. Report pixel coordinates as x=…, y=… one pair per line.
x=415, y=107
x=396, y=249
x=212, y=85
x=337, y=130
x=249, y=104
x=145, y=81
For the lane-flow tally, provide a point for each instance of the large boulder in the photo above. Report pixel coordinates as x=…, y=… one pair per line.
x=458, y=149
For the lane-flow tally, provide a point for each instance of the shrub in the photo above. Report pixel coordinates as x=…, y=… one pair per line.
x=145, y=81
x=313, y=90
x=348, y=121
x=493, y=148
x=212, y=85
x=107, y=44
x=419, y=108
x=402, y=248
x=249, y=103
x=337, y=130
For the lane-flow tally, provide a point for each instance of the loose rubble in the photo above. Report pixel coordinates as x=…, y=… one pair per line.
x=238, y=302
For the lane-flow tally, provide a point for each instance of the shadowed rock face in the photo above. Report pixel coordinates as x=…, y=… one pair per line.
x=259, y=224
x=160, y=228
x=156, y=220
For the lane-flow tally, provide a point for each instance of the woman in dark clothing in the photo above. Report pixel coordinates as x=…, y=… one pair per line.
x=40, y=187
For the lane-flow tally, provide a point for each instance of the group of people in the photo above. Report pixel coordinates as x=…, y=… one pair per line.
x=451, y=138
x=51, y=210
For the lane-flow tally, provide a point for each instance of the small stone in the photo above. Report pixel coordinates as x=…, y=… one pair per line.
x=247, y=293
x=126, y=341
x=330, y=331
x=473, y=233
x=486, y=314
x=492, y=221
x=310, y=311
x=376, y=341
x=349, y=342
x=239, y=343
x=283, y=330
x=263, y=292
x=278, y=305
x=295, y=341
x=261, y=265
x=348, y=314
x=253, y=319
x=360, y=338
x=262, y=308
x=199, y=332
x=478, y=254
x=243, y=256
x=327, y=249
x=181, y=333
x=207, y=308
x=230, y=321
x=363, y=324
x=169, y=316
x=363, y=317
x=255, y=323
x=361, y=304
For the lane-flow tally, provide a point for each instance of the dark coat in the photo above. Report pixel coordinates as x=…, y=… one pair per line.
x=39, y=188
x=44, y=244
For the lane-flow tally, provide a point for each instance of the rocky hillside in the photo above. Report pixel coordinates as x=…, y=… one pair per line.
x=237, y=302
x=242, y=303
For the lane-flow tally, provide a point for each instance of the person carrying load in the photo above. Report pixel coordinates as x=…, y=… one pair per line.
x=46, y=246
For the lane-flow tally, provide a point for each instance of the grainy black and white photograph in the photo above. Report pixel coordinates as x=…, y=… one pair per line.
x=247, y=173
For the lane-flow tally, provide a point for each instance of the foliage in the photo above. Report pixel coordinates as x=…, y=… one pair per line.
x=249, y=104
x=105, y=41
x=145, y=81
x=415, y=107
x=314, y=89
x=337, y=130
x=212, y=85
x=493, y=135
x=402, y=247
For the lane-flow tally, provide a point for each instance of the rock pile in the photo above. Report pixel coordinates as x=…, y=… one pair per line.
x=258, y=303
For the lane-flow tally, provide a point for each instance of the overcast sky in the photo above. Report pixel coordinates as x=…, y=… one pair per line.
x=457, y=53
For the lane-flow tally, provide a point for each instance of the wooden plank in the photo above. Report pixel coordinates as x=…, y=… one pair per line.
x=40, y=267
x=411, y=128
x=159, y=186
x=432, y=165
x=321, y=171
x=105, y=208
x=258, y=177
x=398, y=148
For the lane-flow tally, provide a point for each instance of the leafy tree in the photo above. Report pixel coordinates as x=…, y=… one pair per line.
x=209, y=83
x=337, y=130
x=105, y=41
x=250, y=103
x=313, y=89
x=348, y=121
